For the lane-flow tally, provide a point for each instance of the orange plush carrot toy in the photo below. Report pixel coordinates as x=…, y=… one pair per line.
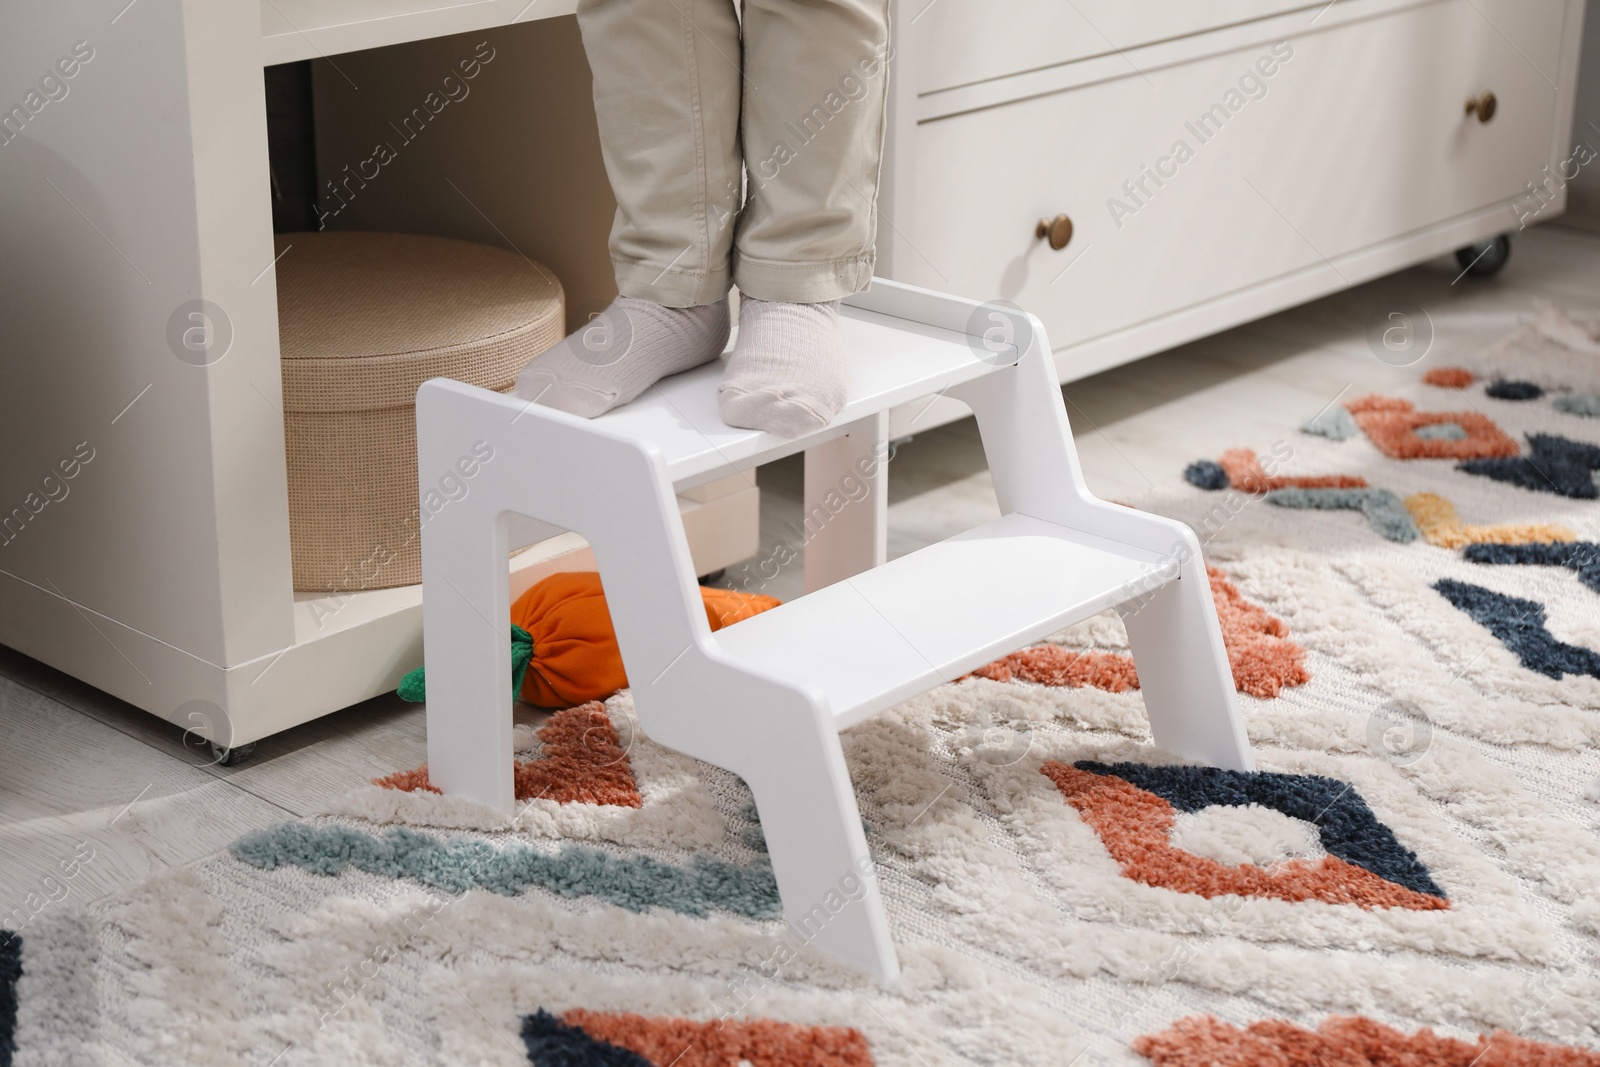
x=574, y=658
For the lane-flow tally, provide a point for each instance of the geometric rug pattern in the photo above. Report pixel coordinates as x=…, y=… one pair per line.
x=1407, y=877
x=1133, y=808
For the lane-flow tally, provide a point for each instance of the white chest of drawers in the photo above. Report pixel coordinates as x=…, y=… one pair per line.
x=1219, y=162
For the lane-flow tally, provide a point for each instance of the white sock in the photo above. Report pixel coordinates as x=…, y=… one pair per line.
x=787, y=373
x=621, y=352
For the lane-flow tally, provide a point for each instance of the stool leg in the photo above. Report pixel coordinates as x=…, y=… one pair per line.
x=1177, y=645
x=819, y=849
x=466, y=632
x=846, y=517
x=1184, y=677
x=784, y=744
x=466, y=610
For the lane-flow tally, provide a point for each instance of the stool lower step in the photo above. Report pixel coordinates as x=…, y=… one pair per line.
x=885, y=635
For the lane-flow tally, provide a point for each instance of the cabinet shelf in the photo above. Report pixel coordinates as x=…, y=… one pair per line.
x=307, y=29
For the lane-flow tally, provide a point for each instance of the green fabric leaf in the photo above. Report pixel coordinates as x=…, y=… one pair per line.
x=521, y=656
x=414, y=688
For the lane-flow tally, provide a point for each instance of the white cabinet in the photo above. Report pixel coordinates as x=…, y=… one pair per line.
x=159, y=570
x=1214, y=172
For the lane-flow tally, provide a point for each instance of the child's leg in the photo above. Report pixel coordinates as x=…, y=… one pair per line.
x=816, y=73
x=667, y=96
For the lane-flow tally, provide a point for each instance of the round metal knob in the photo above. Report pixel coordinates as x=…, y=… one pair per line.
x=1483, y=106
x=1058, y=230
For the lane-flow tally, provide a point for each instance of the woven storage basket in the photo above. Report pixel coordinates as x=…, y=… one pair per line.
x=363, y=319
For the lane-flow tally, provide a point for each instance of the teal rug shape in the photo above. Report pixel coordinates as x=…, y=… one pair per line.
x=1384, y=511
x=1334, y=423
x=1441, y=431
x=1586, y=404
x=459, y=864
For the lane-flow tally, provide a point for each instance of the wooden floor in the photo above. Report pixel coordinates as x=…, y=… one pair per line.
x=77, y=765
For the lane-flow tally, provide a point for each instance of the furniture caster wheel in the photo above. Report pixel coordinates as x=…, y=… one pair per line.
x=222, y=755
x=1486, y=258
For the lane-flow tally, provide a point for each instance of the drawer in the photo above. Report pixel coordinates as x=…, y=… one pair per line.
x=958, y=42
x=1357, y=137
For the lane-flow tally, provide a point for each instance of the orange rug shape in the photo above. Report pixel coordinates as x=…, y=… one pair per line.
x=1437, y=519
x=1135, y=825
x=1344, y=1041
x=1065, y=668
x=1449, y=378
x=581, y=761
x=1376, y=402
x=759, y=1042
x=1391, y=424
x=1262, y=657
x=1246, y=474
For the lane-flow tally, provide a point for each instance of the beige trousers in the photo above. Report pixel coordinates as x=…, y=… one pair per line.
x=684, y=99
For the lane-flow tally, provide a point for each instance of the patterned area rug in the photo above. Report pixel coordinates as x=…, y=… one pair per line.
x=1410, y=588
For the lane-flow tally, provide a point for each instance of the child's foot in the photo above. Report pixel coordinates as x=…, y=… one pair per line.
x=787, y=372
x=621, y=352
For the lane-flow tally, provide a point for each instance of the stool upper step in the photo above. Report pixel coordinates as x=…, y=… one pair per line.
x=892, y=361
x=887, y=634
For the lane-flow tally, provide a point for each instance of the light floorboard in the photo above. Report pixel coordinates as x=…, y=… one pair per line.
x=74, y=789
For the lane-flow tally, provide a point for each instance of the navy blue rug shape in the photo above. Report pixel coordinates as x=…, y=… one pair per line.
x=1520, y=626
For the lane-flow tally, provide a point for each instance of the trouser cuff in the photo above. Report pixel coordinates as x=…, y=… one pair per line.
x=803, y=283
x=668, y=286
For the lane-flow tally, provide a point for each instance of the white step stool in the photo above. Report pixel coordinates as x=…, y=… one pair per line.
x=766, y=698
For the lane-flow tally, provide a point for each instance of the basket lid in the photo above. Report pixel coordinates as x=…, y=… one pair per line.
x=364, y=318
